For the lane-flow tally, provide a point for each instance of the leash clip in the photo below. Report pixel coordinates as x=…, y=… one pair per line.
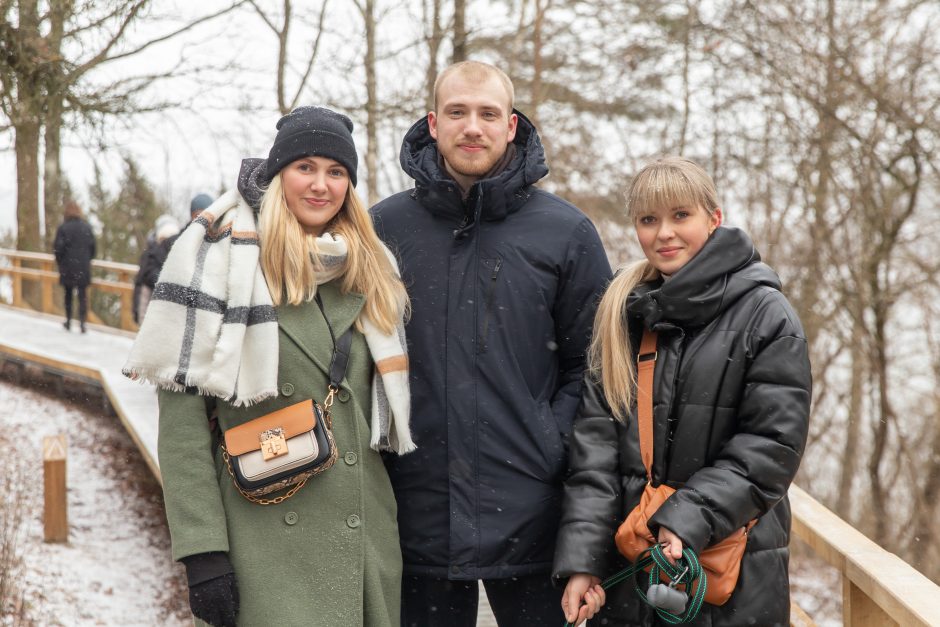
x=677, y=579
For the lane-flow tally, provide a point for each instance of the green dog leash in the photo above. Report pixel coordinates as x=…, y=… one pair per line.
x=662, y=597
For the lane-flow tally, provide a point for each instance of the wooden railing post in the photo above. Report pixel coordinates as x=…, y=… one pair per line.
x=55, y=511
x=860, y=610
x=17, y=283
x=127, y=311
x=48, y=282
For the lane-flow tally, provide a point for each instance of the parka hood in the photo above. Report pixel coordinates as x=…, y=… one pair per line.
x=500, y=195
x=727, y=267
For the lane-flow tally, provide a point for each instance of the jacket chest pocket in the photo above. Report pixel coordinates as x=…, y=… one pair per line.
x=490, y=277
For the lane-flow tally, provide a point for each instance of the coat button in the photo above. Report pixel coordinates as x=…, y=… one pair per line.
x=455, y=570
x=287, y=389
x=351, y=458
x=353, y=521
x=343, y=396
x=291, y=518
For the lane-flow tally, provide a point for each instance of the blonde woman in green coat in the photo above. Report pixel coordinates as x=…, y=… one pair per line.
x=244, y=322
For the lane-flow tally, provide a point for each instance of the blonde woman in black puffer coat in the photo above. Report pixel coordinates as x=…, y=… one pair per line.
x=731, y=395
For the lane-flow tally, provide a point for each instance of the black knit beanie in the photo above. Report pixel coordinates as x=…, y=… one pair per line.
x=312, y=132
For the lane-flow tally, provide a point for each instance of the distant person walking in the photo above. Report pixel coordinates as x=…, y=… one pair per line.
x=74, y=249
x=198, y=204
x=151, y=262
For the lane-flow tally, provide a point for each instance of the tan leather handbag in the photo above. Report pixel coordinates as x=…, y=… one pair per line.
x=721, y=562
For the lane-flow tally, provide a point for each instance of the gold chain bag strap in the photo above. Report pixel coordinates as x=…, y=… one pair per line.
x=283, y=449
x=721, y=561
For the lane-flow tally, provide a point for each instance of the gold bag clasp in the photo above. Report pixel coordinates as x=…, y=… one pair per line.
x=273, y=443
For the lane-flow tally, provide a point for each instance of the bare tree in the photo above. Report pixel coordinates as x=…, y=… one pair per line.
x=281, y=31
x=851, y=102
x=41, y=84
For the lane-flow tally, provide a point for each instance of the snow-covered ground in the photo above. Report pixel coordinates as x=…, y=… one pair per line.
x=116, y=567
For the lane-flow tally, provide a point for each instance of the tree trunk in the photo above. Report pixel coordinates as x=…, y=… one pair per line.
x=826, y=128
x=282, y=103
x=28, y=237
x=460, y=31
x=434, y=46
x=686, y=95
x=53, y=184
x=882, y=417
x=537, y=66
x=858, y=382
x=26, y=120
x=371, y=104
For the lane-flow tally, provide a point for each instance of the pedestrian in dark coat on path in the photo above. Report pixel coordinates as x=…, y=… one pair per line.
x=503, y=279
x=74, y=249
x=252, y=305
x=731, y=395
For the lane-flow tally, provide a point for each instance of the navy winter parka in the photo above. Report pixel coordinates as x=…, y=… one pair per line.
x=503, y=289
x=731, y=398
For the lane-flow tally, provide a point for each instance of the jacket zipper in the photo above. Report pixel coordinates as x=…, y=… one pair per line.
x=490, y=293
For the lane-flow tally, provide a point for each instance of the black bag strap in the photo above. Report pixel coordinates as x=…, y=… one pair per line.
x=341, y=348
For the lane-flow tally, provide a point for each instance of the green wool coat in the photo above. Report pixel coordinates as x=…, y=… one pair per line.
x=330, y=555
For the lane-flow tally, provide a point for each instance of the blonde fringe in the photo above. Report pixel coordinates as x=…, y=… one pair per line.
x=610, y=355
x=288, y=254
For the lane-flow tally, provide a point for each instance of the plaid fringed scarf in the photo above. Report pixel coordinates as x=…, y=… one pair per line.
x=211, y=324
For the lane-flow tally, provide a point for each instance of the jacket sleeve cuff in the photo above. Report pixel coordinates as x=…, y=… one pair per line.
x=679, y=521
x=205, y=566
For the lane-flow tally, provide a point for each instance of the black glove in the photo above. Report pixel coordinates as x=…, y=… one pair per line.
x=213, y=591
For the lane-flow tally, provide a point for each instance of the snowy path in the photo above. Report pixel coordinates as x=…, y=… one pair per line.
x=116, y=567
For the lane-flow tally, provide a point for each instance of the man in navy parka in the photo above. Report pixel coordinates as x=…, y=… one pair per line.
x=504, y=279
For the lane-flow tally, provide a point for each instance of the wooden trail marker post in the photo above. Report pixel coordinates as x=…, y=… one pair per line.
x=55, y=513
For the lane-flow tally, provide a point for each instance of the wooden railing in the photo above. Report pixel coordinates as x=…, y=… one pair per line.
x=40, y=268
x=879, y=589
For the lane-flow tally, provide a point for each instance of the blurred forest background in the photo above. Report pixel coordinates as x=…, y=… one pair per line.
x=819, y=120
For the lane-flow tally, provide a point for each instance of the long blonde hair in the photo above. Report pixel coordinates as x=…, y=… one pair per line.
x=288, y=258
x=666, y=182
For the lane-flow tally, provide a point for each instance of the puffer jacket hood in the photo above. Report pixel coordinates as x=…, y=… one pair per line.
x=501, y=195
x=726, y=268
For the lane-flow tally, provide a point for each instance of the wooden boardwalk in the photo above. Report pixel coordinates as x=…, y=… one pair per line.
x=95, y=357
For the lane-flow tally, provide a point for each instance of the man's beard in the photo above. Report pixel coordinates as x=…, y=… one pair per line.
x=471, y=167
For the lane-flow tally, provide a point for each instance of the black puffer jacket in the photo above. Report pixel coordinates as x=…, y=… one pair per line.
x=74, y=248
x=503, y=289
x=731, y=407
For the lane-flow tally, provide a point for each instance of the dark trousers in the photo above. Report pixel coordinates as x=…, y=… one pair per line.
x=82, y=303
x=528, y=601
